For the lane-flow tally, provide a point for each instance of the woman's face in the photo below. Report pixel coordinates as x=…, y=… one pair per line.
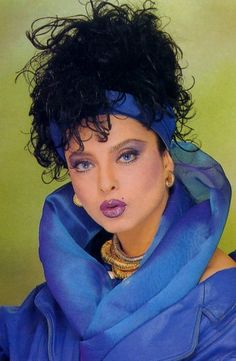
x=128, y=167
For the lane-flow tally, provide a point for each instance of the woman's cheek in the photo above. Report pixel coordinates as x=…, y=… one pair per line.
x=85, y=189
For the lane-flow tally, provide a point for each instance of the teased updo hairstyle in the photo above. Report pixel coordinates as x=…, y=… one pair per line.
x=113, y=47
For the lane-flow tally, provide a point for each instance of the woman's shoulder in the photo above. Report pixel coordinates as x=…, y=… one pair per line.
x=31, y=329
x=14, y=319
x=220, y=261
x=217, y=330
x=219, y=282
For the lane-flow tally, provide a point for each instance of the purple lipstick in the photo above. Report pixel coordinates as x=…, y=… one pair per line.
x=113, y=208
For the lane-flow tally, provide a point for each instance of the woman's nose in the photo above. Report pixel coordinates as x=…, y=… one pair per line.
x=107, y=180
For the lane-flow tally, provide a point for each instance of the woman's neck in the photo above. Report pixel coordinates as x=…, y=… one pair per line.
x=136, y=242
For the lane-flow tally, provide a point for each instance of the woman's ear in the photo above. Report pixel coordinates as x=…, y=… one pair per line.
x=168, y=169
x=168, y=162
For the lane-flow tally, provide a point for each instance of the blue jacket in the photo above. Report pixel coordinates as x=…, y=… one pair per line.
x=200, y=327
x=161, y=312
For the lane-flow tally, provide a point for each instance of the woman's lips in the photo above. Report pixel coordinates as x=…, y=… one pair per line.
x=112, y=208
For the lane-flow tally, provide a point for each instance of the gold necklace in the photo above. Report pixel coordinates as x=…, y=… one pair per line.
x=121, y=254
x=122, y=265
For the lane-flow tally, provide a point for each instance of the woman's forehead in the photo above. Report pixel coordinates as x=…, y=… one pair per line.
x=122, y=128
x=118, y=122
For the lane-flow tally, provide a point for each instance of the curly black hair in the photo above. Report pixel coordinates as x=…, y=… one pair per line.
x=112, y=47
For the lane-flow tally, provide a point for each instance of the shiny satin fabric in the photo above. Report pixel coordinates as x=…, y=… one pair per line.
x=104, y=313
x=200, y=327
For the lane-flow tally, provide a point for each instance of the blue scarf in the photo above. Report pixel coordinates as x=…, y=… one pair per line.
x=163, y=123
x=103, y=312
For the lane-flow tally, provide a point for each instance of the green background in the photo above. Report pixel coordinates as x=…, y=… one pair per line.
x=206, y=32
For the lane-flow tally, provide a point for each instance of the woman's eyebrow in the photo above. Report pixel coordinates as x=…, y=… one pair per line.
x=114, y=148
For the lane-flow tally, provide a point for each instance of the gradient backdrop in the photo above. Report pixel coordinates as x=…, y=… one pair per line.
x=204, y=29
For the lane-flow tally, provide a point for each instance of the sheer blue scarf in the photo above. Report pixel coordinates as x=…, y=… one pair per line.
x=103, y=312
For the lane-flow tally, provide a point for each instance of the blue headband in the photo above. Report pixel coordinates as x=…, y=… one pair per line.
x=164, y=125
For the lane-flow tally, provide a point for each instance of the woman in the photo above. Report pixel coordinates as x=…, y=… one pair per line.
x=129, y=247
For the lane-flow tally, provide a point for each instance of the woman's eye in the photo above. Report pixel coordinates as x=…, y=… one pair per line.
x=129, y=156
x=83, y=166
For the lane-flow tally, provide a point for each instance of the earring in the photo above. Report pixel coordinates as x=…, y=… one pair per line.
x=76, y=201
x=170, y=179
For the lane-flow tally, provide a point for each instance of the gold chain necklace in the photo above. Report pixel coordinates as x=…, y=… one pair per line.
x=122, y=265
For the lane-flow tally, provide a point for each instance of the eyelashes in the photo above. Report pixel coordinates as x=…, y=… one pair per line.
x=125, y=158
x=129, y=156
x=82, y=165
